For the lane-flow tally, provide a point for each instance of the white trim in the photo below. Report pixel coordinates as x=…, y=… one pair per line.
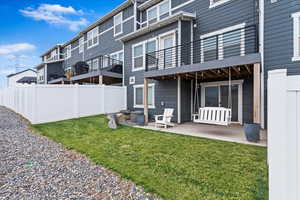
x=224, y=30
x=68, y=49
x=220, y=34
x=153, y=96
x=144, y=53
x=93, y=36
x=103, y=32
x=192, y=42
x=296, y=22
x=128, y=19
x=81, y=45
x=181, y=5
x=158, y=14
x=133, y=57
x=121, y=23
x=222, y=83
x=215, y=4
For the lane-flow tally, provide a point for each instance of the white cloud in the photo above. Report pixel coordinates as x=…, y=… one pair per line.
x=11, y=56
x=56, y=14
x=6, y=72
x=13, y=48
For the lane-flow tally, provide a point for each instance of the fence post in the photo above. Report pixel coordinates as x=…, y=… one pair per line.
x=34, y=106
x=277, y=136
x=76, y=101
x=103, y=98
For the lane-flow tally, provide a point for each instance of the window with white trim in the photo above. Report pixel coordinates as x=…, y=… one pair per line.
x=105, y=61
x=158, y=12
x=89, y=63
x=40, y=75
x=138, y=57
x=296, y=18
x=81, y=44
x=118, y=24
x=139, y=51
x=151, y=47
x=95, y=64
x=92, y=37
x=139, y=96
x=68, y=51
x=223, y=43
x=117, y=57
x=214, y=3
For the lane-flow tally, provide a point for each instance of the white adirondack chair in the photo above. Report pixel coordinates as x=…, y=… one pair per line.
x=165, y=119
x=213, y=115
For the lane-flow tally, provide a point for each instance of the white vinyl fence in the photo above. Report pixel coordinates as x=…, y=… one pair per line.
x=49, y=103
x=284, y=135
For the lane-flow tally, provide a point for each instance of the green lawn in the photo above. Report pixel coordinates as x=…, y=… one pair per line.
x=173, y=166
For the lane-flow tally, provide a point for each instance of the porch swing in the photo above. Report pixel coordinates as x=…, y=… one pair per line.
x=213, y=115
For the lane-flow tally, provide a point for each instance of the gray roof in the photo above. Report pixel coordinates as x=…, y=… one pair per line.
x=27, y=79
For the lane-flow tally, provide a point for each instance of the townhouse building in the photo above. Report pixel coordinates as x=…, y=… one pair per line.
x=187, y=53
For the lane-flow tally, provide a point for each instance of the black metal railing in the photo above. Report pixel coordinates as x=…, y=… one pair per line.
x=95, y=64
x=238, y=42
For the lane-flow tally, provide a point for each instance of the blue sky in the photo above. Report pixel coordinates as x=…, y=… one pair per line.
x=29, y=28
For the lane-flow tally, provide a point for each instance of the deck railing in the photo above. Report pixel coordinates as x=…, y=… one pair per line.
x=237, y=42
x=93, y=65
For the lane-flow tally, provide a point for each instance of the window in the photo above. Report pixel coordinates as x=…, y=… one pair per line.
x=223, y=43
x=89, y=63
x=92, y=37
x=214, y=3
x=68, y=51
x=138, y=57
x=296, y=18
x=81, y=44
x=152, y=15
x=151, y=47
x=164, y=8
x=158, y=12
x=139, y=96
x=40, y=75
x=117, y=58
x=95, y=64
x=118, y=24
x=105, y=61
x=53, y=55
x=232, y=44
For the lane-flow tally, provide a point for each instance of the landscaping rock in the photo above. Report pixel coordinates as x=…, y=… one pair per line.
x=112, y=121
x=33, y=167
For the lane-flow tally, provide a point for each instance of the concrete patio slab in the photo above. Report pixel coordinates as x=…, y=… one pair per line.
x=232, y=133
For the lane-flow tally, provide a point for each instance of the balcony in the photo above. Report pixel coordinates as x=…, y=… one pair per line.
x=102, y=67
x=232, y=48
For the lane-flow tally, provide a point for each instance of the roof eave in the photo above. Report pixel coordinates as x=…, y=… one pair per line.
x=171, y=19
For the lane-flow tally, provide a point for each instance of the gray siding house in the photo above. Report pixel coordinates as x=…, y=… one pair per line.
x=186, y=52
x=178, y=42
x=99, y=48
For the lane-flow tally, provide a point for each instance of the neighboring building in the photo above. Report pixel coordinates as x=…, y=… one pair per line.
x=27, y=80
x=281, y=38
x=51, y=66
x=169, y=45
x=195, y=39
x=12, y=79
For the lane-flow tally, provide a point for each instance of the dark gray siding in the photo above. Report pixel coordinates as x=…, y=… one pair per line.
x=207, y=20
x=165, y=91
x=278, y=47
x=108, y=44
x=278, y=36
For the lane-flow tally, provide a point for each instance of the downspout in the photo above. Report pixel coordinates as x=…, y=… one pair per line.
x=261, y=12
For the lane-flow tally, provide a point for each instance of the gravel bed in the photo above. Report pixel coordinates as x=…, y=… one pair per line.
x=34, y=167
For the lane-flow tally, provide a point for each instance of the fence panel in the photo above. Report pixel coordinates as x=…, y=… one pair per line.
x=48, y=103
x=283, y=135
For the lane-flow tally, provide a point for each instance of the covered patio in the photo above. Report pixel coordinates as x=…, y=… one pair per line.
x=232, y=133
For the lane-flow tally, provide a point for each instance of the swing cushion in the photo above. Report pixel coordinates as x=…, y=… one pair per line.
x=213, y=115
